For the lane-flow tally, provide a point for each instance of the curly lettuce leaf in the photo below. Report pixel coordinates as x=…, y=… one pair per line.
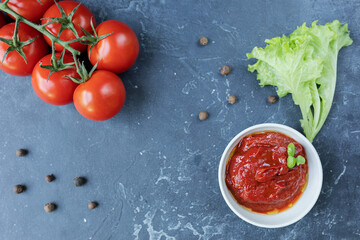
x=304, y=65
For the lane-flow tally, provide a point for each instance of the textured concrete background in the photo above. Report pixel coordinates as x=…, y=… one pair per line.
x=153, y=168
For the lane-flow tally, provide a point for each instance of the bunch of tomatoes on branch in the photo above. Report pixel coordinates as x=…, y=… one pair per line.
x=68, y=28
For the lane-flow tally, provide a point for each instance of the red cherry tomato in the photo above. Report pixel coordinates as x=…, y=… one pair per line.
x=82, y=17
x=32, y=10
x=14, y=63
x=117, y=52
x=2, y=19
x=101, y=97
x=58, y=89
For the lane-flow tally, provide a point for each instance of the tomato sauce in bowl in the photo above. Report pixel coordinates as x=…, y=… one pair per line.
x=257, y=174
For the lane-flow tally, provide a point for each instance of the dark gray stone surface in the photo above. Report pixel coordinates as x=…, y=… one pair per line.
x=153, y=168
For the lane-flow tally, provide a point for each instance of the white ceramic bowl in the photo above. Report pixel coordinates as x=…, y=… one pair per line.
x=308, y=197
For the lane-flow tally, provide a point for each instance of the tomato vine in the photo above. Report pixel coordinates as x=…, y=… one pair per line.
x=41, y=28
x=66, y=23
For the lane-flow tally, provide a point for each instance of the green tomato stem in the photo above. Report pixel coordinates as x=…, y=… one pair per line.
x=16, y=38
x=53, y=56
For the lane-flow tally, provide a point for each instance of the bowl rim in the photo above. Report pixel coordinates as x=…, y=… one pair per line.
x=296, y=136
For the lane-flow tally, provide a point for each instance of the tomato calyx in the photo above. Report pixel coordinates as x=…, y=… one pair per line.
x=82, y=71
x=15, y=44
x=90, y=39
x=57, y=64
x=65, y=20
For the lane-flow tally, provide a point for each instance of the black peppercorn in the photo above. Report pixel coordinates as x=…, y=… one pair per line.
x=50, y=178
x=272, y=99
x=19, y=189
x=49, y=207
x=225, y=70
x=21, y=152
x=79, y=181
x=232, y=99
x=203, y=116
x=92, y=205
x=204, y=41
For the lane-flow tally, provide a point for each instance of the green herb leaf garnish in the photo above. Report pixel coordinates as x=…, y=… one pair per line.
x=300, y=160
x=291, y=161
x=291, y=149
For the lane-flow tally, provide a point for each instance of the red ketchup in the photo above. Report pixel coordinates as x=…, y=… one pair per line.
x=257, y=174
